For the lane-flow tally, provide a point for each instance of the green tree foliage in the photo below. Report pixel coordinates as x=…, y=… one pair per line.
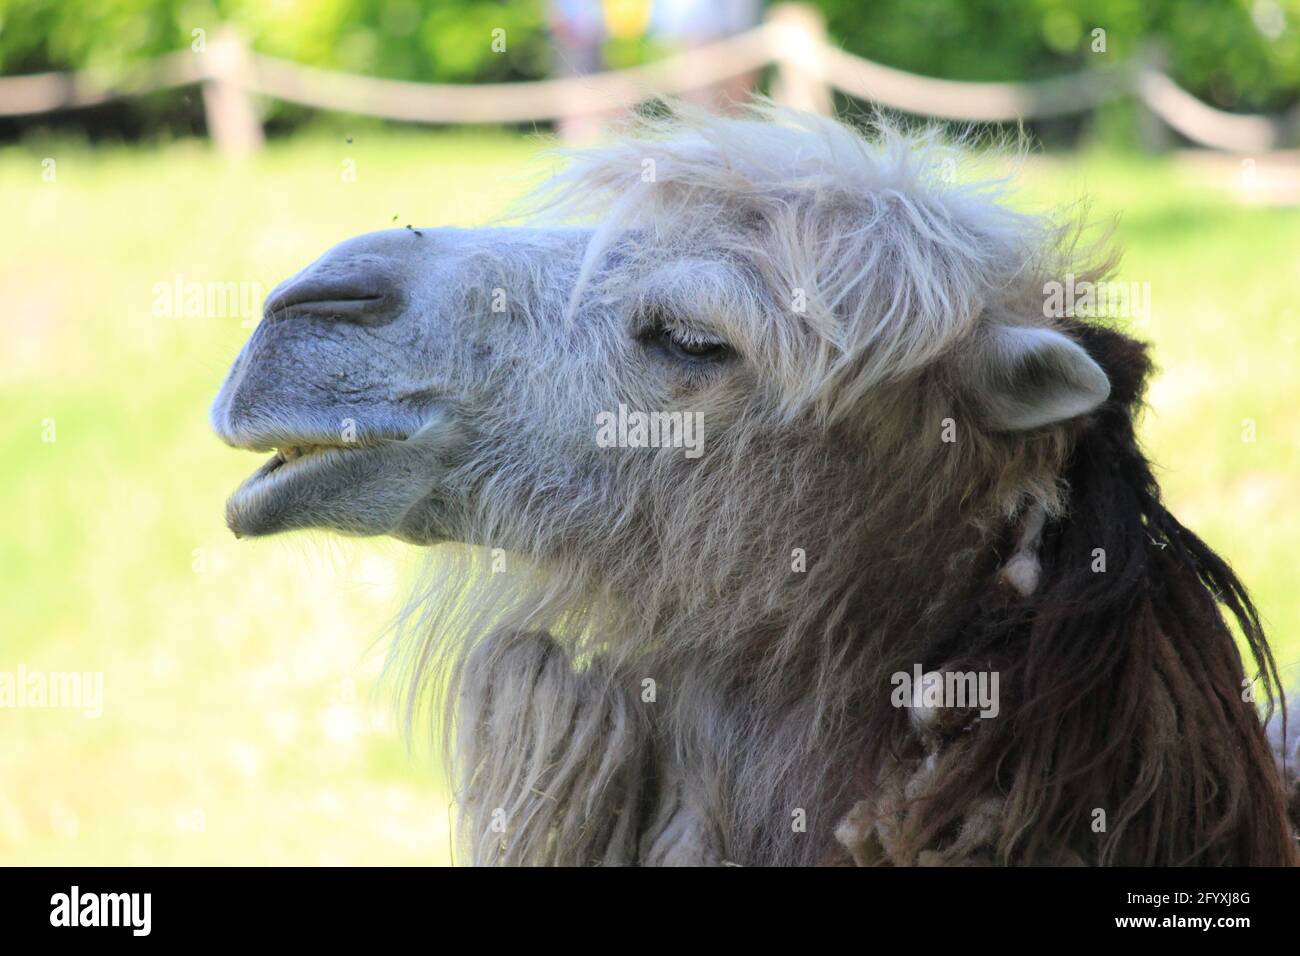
x=1235, y=54
x=439, y=41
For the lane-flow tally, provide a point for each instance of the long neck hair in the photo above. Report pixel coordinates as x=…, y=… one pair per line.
x=1124, y=691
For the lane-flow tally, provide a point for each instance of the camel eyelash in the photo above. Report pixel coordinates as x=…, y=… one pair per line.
x=678, y=342
x=690, y=350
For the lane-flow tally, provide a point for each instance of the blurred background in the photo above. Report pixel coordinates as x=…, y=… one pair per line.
x=164, y=164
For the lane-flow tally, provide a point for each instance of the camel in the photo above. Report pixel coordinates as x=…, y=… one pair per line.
x=913, y=600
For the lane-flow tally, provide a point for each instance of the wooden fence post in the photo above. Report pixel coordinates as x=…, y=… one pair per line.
x=799, y=34
x=231, y=112
x=1153, y=133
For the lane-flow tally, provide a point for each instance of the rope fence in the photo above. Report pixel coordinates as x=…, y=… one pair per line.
x=792, y=38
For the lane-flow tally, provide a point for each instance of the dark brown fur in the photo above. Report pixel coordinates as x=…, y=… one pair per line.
x=1122, y=691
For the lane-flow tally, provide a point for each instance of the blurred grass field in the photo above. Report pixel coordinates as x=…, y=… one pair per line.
x=241, y=722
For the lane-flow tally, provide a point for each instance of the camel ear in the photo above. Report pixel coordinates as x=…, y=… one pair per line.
x=1030, y=377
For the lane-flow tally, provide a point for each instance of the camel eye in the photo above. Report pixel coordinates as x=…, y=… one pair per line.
x=693, y=347
x=685, y=345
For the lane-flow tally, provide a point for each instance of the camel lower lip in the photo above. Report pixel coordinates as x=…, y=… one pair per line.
x=272, y=486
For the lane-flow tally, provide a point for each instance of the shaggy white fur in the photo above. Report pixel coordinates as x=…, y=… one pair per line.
x=846, y=272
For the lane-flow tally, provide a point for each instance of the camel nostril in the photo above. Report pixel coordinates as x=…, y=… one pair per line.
x=343, y=307
x=364, y=294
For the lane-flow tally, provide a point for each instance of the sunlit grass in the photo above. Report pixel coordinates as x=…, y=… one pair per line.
x=240, y=720
x=1222, y=426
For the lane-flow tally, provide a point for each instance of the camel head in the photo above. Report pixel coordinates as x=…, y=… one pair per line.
x=770, y=411
x=731, y=288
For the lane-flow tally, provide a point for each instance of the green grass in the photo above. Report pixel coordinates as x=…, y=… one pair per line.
x=240, y=676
